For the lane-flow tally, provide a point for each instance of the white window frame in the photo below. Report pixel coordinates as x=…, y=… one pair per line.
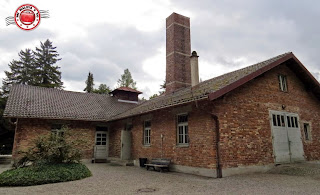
x=185, y=131
x=307, y=137
x=101, y=138
x=283, y=84
x=57, y=132
x=146, y=134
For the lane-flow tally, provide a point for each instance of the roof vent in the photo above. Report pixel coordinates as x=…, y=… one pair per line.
x=126, y=94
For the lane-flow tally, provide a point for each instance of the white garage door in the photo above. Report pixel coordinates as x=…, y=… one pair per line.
x=286, y=135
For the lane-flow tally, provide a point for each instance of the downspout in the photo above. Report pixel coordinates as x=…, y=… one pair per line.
x=218, y=158
x=219, y=170
x=15, y=139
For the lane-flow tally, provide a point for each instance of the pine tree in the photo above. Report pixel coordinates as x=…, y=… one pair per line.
x=162, y=88
x=48, y=75
x=102, y=89
x=153, y=96
x=22, y=71
x=127, y=80
x=89, y=83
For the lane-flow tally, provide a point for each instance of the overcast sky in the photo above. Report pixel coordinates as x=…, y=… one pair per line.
x=106, y=37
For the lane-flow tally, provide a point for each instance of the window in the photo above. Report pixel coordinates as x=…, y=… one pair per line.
x=101, y=138
x=146, y=133
x=292, y=121
x=56, y=129
x=183, y=137
x=283, y=83
x=101, y=128
x=307, y=132
x=278, y=120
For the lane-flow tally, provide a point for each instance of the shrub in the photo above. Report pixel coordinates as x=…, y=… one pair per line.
x=44, y=174
x=51, y=149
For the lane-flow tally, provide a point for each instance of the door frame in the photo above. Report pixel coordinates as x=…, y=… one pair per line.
x=107, y=143
x=285, y=113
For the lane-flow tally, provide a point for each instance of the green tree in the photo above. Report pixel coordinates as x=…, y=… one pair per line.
x=162, y=88
x=89, y=83
x=47, y=74
x=22, y=71
x=5, y=126
x=153, y=96
x=126, y=80
x=102, y=89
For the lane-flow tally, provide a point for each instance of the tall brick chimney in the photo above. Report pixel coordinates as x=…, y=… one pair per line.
x=178, y=70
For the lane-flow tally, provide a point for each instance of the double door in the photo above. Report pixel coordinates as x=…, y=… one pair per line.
x=286, y=137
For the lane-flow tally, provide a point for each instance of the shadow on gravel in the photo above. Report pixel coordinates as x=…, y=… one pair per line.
x=299, y=169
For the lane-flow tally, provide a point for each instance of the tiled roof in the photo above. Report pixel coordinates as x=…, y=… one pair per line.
x=38, y=102
x=127, y=89
x=198, y=92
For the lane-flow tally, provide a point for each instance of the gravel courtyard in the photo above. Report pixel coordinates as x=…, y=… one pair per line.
x=109, y=179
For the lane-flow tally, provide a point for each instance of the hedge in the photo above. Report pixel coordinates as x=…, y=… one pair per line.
x=44, y=174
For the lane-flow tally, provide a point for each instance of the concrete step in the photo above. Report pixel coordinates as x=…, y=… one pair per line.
x=5, y=159
x=118, y=161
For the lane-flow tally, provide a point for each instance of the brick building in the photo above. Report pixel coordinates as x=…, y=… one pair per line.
x=243, y=121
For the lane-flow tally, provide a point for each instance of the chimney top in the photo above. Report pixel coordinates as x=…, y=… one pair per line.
x=194, y=54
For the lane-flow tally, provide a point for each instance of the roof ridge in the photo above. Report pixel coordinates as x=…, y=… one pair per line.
x=246, y=67
x=59, y=90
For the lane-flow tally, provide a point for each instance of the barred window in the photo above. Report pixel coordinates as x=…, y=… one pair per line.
x=56, y=130
x=307, y=131
x=283, y=83
x=147, y=133
x=182, y=129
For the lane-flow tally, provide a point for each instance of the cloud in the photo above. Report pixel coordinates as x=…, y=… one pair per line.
x=231, y=34
x=106, y=51
x=107, y=37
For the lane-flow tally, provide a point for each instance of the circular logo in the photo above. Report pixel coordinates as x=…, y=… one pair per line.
x=27, y=17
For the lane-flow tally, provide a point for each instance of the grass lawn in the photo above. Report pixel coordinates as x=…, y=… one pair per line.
x=44, y=174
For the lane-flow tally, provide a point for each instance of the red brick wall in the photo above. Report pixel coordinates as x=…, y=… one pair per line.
x=28, y=130
x=199, y=153
x=245, y=124
x=115, y=139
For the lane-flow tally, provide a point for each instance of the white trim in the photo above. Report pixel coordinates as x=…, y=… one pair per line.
x=283, y=83
x=287, y=129
x=128, y=101
x=185, y=136
x=178, y=25
x=145, y=136
x=308, y=131
x=176, y=52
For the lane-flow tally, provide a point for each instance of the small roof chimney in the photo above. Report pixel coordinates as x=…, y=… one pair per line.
x=194, y=69
x=126, y=94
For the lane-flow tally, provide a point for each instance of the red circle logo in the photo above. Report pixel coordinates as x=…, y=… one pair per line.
x=27, y=17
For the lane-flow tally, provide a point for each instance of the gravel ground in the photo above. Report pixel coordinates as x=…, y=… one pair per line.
x=108, y=179
x=299, y=169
